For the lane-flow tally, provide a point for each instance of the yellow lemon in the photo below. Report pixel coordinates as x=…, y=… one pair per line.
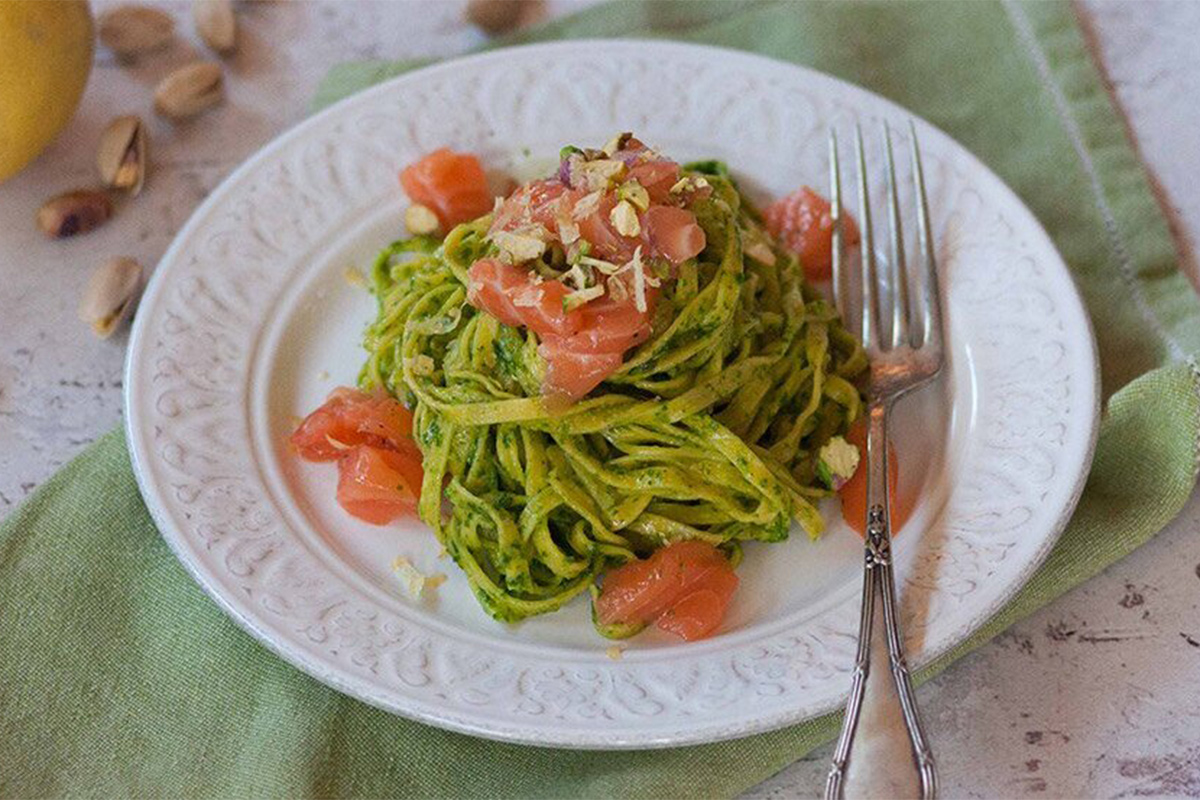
x=45, y=58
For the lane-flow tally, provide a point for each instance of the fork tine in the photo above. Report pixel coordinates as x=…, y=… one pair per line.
x=932, y=296
x=900, y=304
x=870, y=285
x=835, y=202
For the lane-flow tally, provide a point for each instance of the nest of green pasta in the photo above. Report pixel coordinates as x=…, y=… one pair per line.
x=707, y=428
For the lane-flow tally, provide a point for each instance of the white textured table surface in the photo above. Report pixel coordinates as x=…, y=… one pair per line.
x=1096, y=695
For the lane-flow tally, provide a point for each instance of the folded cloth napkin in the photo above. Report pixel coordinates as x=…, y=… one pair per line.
x=118, y=676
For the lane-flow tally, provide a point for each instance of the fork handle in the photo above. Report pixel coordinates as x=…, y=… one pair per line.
x=882, y=752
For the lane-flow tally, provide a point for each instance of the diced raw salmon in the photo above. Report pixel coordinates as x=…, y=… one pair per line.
x=698, y=614
x=685, y=587
x=657, y=177
x=349, y=418
x=519, y=297
x=536, y=203
x=570, y=373
x=673, y=233
x=452, y=184
x=803, y=223
x=370, y=436
x=579, y=362
x=585, y=345
x=581, y=347
x=378, y=485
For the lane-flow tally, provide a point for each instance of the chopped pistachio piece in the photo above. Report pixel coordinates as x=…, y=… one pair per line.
x=624, y=218
x=635, y=193
x=568, y=231
x=689, y=183
x=578, y=251
x=420, y=220
x=412, y=579
x=837, y=462
x=600, y=174
x=581, y=297
x=607, y=267
x=639, y=281
x=617, y=289
x=518, y=247
x=576, y=276
x=588, y=204
x=616, y=143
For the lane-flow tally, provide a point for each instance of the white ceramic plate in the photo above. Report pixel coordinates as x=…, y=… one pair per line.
x=249, y=322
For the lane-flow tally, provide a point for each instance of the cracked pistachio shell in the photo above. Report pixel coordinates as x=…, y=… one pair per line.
x=111, y=295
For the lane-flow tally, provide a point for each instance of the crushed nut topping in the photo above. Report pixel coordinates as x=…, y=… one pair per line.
x=617, y=143
x=420, y=219
x=588, y=204
x=581, y=297
x=639, y=281
x=518, y=247
x=635, y=193
x=617, y=289
x=625, y=219
x=600, y=174
x=607, y=267
x=568, y=231
x=689, y=183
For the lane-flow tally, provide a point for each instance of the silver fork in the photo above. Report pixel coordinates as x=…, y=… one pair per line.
x=882, y=751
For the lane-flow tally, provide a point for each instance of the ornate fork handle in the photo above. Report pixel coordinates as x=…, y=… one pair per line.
x=882, y=750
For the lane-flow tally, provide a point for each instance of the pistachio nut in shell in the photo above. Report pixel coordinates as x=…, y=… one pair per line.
x=111, y=295
x=131, y=30
x=74, y=212
x=216, y=23
x=495, y=16
x=123, y=152
x=190, y=90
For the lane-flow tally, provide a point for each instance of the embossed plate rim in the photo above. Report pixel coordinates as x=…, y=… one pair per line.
x=682, y=729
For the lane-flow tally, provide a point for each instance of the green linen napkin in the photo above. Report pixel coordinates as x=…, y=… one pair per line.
x=118, y=676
